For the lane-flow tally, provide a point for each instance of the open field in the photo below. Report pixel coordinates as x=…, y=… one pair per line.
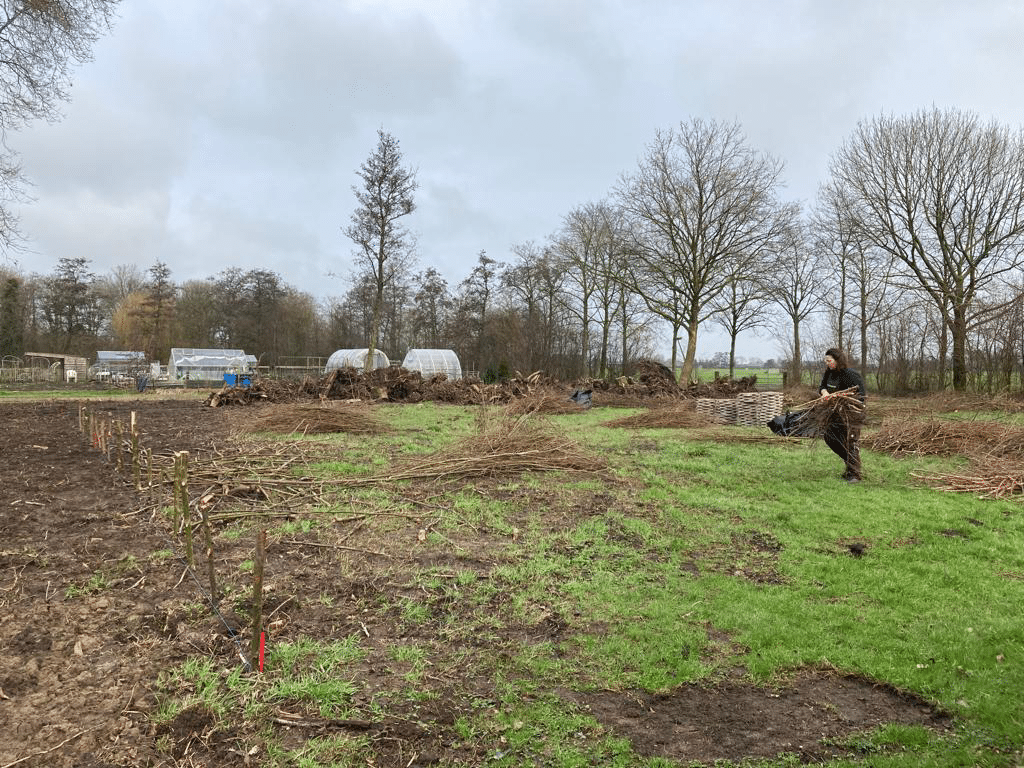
x=465, y=586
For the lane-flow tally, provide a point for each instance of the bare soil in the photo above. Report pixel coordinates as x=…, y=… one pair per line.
x=80, y=659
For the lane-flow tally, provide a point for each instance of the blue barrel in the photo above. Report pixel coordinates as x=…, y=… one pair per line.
x=230, y=379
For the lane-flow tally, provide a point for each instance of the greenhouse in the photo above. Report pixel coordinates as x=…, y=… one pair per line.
x=112, y=365
x=355, y=358
x=430, y=362
x=207, y=364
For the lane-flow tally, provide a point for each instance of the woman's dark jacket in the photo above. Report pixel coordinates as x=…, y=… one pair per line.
x=834, y=381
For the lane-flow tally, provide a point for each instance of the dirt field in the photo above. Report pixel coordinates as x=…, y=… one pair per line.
x=80, y=661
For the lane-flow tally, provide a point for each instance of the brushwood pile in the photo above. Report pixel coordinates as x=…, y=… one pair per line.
x=649, y=381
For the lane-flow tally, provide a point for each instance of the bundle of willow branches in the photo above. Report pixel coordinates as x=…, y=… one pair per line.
x=310, y=419
x=843, y=408
x=507, y=445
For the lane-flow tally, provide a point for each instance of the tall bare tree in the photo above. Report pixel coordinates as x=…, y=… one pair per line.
x=475, y=297
x=944, y=194
x=41, y=41
x=703, y=204
x=740, y=307
x=580, y=246
x=861, y=286
x=795, y=285
x=384, y=198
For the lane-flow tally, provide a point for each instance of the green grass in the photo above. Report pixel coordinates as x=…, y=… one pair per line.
x=684, y=560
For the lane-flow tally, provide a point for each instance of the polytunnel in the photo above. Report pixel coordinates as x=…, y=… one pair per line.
x=430, y=362
x=355, y=358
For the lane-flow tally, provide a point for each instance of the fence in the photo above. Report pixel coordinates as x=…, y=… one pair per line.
x=768, y=379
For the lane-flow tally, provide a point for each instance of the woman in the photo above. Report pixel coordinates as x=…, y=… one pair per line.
x=842, y=435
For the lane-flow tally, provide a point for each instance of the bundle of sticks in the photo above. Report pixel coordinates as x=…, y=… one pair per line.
x=841, y=408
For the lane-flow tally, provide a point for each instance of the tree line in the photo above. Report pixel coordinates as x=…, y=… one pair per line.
x=910, y=259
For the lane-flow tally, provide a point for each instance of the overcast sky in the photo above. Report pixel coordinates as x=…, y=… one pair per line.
x=215, y=133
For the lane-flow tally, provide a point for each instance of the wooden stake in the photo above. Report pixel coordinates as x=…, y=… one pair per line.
x=181, y=482
x=257, y=594
x=136, y=464
x=211, y=571
x=119, y=445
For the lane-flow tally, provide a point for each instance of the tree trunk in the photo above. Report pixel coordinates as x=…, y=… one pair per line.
x=943, y=351
x=603, y=370
x=959, y=349
x=691, y=349
x=797, y=358
x=378, y=310
x=675, y=345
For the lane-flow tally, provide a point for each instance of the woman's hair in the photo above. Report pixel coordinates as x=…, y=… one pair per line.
x=837, y=354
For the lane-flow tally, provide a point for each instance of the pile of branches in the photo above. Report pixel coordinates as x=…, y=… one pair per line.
x=680, y=416
x=546, y=400
x=722, y=387
x=990, y=479
x=309, y=419
x=842, y=408
x=266, y=390
x=650, y=381
x=995, y=451
x=941, y=437
x=507, y=445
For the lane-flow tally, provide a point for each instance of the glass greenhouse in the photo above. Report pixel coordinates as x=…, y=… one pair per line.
x=115, y=364
x=207, y=364
x=355, y=358
x=433, y=361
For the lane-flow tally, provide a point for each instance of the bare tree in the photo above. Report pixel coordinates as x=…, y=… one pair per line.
x=795, y=286
x=944, y=194
x=474, y=304
x=528, y=337
x=41, y=41
x=863, y=285
x=703, y=205
x=740, y=307
x=580, y=246
x=384, y=198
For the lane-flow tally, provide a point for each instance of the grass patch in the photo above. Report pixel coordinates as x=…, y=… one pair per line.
x=685, y=560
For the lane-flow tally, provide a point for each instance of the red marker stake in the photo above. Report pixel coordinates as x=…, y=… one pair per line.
x=263, y=643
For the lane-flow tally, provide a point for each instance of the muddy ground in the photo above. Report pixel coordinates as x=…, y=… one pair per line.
x=89, y=619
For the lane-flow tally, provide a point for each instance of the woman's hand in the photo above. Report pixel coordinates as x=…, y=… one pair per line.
x=824, y=393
